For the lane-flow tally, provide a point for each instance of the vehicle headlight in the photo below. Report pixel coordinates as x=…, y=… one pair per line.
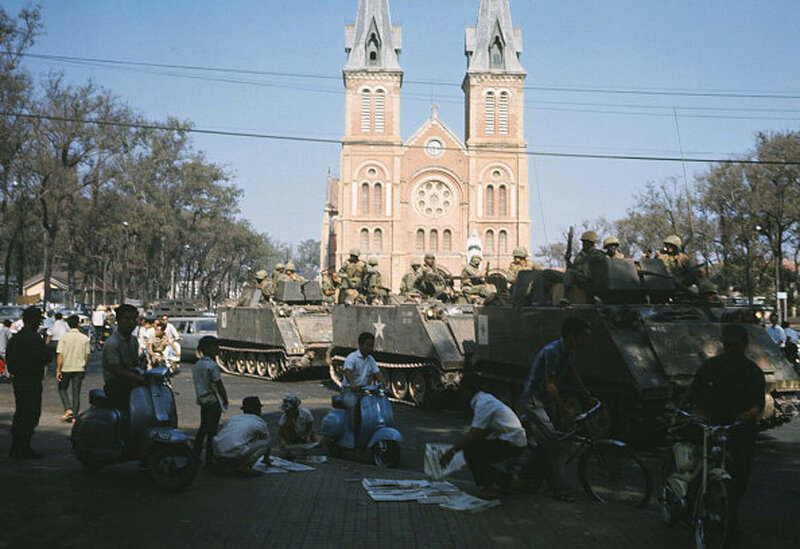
x=759, y=314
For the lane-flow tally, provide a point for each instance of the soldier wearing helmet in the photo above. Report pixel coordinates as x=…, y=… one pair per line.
x=330, y=285
x=678, y=264
x=265, y=284
x=290, y=274
x=578, y=278
x=351, y=274
x=407, y=287
x=277, y=274
x=521, y=263
x=431, y=280
x=473, y=285
x=373, y=287
x=611, y=248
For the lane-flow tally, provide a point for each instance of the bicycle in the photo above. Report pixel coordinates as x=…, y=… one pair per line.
x=695, y=488
x=608, y=470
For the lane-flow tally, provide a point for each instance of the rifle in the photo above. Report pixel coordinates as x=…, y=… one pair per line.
x=568, y=253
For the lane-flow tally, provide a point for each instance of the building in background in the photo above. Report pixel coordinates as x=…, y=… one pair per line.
x=397, y=199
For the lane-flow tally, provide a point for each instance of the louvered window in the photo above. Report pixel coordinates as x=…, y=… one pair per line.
x=377, y=199
x=364, y=240
x=447, y=241
x=420, y=242
x=377, y=240
x=490, y=200
x=502, y=242
x=502, y=201
x=434, y=241
x=502, y=114
x=490, y=113
x=366, y=107
x=489, y=242
x=380, y=100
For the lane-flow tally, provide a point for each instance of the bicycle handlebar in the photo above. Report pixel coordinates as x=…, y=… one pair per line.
x=702, y=422
x=583, y=416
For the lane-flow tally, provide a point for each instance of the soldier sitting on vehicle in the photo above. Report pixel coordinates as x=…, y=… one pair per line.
x=265, y=284
x=678, y=264
x=520, y=263
x=431, y=280
x=351, y=274
x=372, y=285
x=408, y=289
x=330, y=285
x=290, y=274
x=473, y=285
x=578, y=278
x=276, y=276
x=611, y=248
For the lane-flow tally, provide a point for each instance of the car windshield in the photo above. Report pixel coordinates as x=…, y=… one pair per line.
x=207, y=326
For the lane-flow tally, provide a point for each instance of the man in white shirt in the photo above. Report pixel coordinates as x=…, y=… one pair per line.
x=296, y=425
x=99, y=318
x=360, y=370
x=775, y=332
x=170, y=329
x=244, y=439
x=496, y=434
x=72, y=355
x=5, y=337
x=55, y=332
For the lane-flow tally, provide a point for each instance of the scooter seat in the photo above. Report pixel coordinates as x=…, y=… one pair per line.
x=337, y=402
x=98, y=397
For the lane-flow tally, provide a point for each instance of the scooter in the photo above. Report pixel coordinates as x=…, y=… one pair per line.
x=376, y=437
x=147, y=431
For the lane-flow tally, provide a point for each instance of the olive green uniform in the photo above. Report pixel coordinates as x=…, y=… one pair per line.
x=525, y=265
x=472, y=283
x=580, y=273
x=430, y=282
x=373, y=284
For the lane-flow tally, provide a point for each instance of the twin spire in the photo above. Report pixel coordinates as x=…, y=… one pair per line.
x=493, y=44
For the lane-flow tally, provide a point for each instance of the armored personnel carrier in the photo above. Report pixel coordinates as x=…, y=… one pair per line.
x=645, y=347
x=419, y=348
x=276, y=339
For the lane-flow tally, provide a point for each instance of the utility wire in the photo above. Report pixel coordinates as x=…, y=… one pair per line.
x=748, y=94
x=307, y=139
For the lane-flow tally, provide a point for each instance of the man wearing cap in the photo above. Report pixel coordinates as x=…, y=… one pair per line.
x=351, y=274
x=296, y=425
x=472, y=283
x=431, y=281
x=579, y=274
x=521, y=263
x=244, y=439
x=211, y=395
x=611, y=248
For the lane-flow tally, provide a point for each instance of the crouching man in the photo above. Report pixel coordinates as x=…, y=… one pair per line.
x=243, y=440
x=496, y=434
x=296, y=426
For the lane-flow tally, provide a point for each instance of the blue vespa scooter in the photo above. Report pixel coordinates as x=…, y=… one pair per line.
x=376, y=437
x=147, y=431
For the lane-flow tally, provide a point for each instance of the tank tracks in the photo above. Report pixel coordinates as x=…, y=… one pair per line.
x=258, y=363
x=412, y=383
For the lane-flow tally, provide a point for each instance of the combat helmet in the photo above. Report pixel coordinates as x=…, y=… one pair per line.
x=707, y=287
x=355, y=252
x=261, y=275
x=520, y=252
x=589, y=236
x=674, y=240
x=372, y=261
x=610, y=241
x=289, y=266
x=475, y=259
x=416, y=262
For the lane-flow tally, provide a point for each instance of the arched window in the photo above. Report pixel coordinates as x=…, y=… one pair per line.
x=502, y=200
x=364, y=240
x=365, y=198
x=420, y=241
x=490, y=113
x=496, y=54
x=380, y=100
x=502, y=242
x=502, y=114
x=377, y=240
x=377, y=199
x=490, y=200
x=447, y=241
x=489, y=242
x=366, y=108
x=434, y=241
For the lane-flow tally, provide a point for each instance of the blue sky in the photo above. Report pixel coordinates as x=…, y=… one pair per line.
x=660, y=45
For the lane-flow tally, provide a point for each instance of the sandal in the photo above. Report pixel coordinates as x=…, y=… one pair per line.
x=68, y=415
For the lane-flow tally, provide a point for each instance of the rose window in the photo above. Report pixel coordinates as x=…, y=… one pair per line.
x=433, y=198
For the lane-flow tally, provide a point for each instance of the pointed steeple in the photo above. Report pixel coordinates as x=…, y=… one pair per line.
x=373, y=43
x=493, y=44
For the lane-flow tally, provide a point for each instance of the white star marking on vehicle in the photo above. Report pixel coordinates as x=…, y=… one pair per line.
x=379, y=326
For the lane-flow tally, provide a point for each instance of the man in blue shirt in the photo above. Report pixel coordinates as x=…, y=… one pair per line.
x=792, y=337
x=542, y=403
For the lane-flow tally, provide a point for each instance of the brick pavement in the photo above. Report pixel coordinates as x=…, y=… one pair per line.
x=54, y=503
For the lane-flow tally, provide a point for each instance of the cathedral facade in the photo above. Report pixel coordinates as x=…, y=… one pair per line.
x=397, y=199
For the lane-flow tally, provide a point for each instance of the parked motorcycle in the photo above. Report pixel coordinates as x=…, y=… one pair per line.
x=377, y=439
x=146, y=431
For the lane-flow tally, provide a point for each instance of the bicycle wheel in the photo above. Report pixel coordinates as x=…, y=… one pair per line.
x=712, y=515
x=610, y=472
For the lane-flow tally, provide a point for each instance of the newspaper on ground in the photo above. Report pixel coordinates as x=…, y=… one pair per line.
x=279, y=465
x=313, y=459
x=433, y=452
x=441, y=493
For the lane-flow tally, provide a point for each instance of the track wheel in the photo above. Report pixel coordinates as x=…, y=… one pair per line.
x=273, y=367
x=251, y=365
x=418, y=387
x=398, y=381
x=241, y=365
x=261, y=366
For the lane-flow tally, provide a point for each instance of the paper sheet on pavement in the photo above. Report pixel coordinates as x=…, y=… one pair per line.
x=433, y=452
x=441, y=493
x=279, y=465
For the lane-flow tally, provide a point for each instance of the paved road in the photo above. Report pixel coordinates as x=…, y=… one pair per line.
x=54, y=503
